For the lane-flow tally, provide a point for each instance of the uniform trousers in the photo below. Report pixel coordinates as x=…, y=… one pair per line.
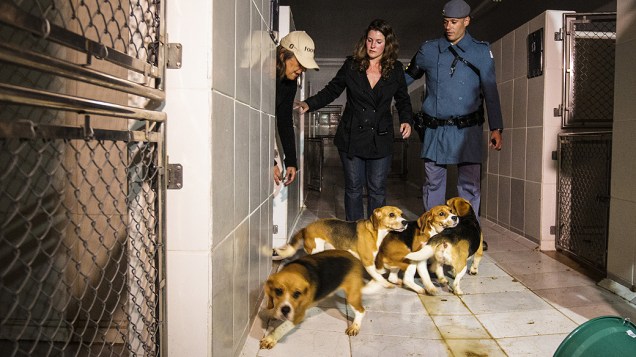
x=359, y=172
x=468, y=184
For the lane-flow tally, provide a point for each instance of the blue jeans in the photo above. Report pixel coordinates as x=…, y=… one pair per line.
x=468, y=184
x=359, y=172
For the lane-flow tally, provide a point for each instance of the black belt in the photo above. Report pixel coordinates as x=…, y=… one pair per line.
x=462, y=121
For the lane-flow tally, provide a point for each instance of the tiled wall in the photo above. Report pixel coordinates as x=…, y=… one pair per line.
x=519, y=182
x=220, y=107
x=621, y=260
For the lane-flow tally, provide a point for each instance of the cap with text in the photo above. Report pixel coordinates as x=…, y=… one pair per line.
x=302, y=46
x=456, y=9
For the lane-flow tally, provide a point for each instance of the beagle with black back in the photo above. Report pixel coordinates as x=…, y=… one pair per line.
x=302, y=283
x=453, y=247
x=361, y=238
x=398, y=247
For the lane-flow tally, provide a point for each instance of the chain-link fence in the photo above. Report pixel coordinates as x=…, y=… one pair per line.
x=82, y=160
x=589, y=52
x=584, y=196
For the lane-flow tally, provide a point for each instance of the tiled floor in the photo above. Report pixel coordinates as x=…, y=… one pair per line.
x=522, y=303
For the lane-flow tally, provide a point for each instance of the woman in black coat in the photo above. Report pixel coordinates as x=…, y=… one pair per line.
x=373, y=77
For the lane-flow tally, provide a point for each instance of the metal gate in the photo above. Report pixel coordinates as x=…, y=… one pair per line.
x=584, y=197
x=589, y=47
x=82, y=184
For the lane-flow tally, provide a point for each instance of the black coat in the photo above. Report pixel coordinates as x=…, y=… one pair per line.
x=366, y=127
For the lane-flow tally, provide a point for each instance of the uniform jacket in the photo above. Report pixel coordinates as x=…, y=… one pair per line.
x=366, y=127
x=449, y=96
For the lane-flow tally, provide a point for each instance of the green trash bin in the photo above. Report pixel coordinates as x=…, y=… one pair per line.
x=605, y=336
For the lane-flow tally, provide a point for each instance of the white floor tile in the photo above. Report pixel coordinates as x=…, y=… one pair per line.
x=483, y=285
x=475, y=348
x=526, y=323
x=385, y=346
x=532, y=346
x=504, y=302
x=444, y=305
x=460, y=327
x=405, y=325
x=309, y=343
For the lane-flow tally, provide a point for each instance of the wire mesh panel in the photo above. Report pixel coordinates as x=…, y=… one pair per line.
x=583, y=196
x=82, y=182
x=589, y=52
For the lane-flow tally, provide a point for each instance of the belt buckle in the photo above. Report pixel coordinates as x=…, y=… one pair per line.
x=450, y=122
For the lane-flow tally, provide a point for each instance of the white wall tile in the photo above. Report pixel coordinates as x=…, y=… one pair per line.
x=623, y=161
x=533, y=210
x=223, y=298
x=224, y=43
x=520, y=102
x=625, y=105
x=548, y=212
x=188, y=308
x=192, y=110
x=521, y=52
x=621, y=250
x=256, y=58
x=553, y=54
x=534, y=154
x=243, y=49
x=534, y=115
x=507, y=57
x=255, y=163
x=240, y=284
x=625, y=21
x=506, y=95
x=222, y=167
x=196, y=70
x=517, y=144
x=241, y=164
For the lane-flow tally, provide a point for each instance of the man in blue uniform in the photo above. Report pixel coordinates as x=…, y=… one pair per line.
x=460, y=76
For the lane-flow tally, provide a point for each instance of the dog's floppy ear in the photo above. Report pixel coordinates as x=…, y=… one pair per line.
x=461, y=206
x=376, y=218
x=268, y=294
x=424, y=220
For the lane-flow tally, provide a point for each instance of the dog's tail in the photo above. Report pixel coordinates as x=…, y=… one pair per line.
x=289, y=249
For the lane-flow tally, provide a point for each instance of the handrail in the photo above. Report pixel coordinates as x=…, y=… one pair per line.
x=40, y=98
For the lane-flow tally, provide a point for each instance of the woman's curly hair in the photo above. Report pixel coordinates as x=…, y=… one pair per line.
x=391, y=48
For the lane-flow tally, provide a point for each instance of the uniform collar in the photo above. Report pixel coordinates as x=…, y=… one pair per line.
x=461, y=45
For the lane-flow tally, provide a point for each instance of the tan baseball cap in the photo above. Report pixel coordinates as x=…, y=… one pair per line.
x=302, y=46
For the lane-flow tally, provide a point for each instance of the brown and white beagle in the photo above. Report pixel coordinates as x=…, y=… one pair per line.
x=361, y=238
x=396, y=251
x=453, y=247
x=302, y=283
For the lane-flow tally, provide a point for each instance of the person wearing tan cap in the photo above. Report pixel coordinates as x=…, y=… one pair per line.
x=294, y=55
x=373, y=78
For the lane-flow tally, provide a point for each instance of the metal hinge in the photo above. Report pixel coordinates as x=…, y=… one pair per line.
x=555, y=155
x=275, y=229
x=558, y=36
x=174, y=52
x=558, y=111
x=175, y=176
x=553, y=230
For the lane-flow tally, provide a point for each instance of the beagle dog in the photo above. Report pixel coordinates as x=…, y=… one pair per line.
x=397, y=249
x=361, y=238
x=453, y=247
x=302, y=283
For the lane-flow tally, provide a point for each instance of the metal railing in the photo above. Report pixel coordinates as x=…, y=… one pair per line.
x=82, y=178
